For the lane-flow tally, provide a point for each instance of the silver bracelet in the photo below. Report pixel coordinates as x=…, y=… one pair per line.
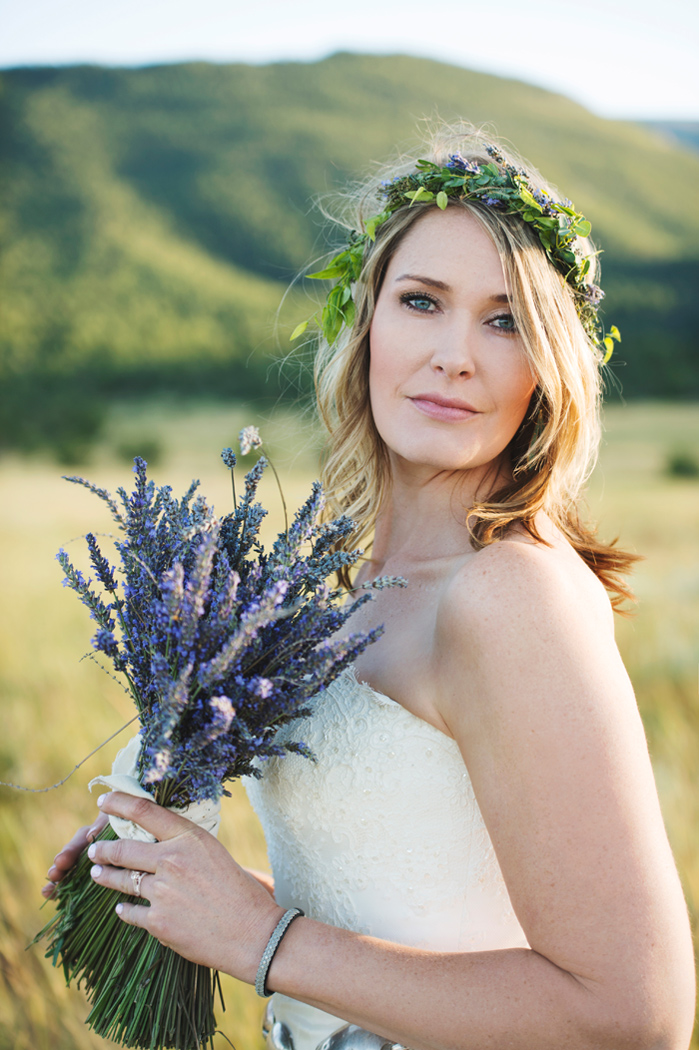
x=272, y=945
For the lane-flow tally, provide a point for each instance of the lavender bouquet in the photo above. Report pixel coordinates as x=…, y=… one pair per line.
x=220, y=642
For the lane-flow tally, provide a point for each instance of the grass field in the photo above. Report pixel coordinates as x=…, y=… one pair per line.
x=56, y=710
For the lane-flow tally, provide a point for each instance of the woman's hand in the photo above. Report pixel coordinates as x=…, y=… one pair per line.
x=66, y=858
x=202, y=903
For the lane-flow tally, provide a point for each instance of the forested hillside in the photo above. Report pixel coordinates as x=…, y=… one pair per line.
x=152, y=218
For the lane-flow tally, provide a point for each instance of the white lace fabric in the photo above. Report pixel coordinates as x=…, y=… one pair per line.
x=382, y=834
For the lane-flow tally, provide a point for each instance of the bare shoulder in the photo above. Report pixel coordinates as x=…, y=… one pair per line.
x=520, y=583
x=522, y=626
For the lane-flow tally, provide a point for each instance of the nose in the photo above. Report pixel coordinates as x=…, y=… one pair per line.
x=453, y=351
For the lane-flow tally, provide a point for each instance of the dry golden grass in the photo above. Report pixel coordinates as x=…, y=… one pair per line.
x=55, y=709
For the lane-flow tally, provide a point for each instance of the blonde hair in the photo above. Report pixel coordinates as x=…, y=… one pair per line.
x=554, y=449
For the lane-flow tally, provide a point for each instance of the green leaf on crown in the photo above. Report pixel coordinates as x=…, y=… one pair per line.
x=529, y=199
x=331, y=322
x=609, y=340
x=336, y=269
x=420, y=194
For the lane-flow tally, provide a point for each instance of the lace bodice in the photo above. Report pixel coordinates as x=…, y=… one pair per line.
x=382, y=834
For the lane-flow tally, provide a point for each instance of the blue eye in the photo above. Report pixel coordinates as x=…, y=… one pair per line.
x=504, y=323
x=421, y=303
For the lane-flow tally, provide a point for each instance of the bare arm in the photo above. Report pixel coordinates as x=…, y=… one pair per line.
x=544, y=714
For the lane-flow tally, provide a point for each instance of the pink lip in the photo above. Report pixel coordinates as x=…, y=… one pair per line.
x=447, y=409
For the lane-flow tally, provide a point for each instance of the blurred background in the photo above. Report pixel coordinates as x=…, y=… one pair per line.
x=159, y=164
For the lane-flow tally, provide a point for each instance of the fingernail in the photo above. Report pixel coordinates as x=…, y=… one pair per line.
x=96, y=871
x=101, y=799
x=119, y=909
x=91, y=851
x=91, y=832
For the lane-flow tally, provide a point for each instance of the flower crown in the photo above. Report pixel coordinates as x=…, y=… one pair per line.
x=497, y=184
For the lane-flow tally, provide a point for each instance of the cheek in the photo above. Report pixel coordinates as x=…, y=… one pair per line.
x=381, y=385
x=515, y=393
x=397, y=348
x=518, y=387
x=388, y=374
x=384, y=365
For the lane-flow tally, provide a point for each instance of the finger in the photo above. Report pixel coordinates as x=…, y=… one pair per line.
x=122, y=880
x=99, y=824
x=125, y=853
x=133, y=914
x=48, y=890
x=66, y=858
x=161, y=822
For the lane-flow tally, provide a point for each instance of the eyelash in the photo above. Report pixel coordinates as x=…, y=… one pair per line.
x=504, y=317
x=409, y=298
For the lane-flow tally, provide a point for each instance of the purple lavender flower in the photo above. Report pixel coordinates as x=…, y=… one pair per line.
x=380, y=583
x=495, y=153
x=460, y=164
x=223, y=709
x=159, y=767
x=263, y=687
x=593, y=294
x=105, y=642
x=220, y=641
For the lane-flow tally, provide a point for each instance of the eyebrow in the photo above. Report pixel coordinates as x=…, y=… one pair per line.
x=431, y=282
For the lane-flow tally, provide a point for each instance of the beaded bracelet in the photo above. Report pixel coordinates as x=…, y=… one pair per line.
x=272, y=945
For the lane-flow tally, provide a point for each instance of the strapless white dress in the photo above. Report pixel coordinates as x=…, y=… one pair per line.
x=382, y=835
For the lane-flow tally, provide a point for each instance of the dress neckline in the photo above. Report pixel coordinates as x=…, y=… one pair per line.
x=352, y=671
x=388, y=701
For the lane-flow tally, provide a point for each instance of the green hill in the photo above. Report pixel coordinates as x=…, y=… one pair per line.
x=151, y=218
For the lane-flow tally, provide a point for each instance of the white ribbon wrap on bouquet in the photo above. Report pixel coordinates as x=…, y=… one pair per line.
x=124, y=777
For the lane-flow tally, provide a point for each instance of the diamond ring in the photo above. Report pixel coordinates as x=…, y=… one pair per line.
x=136, y=878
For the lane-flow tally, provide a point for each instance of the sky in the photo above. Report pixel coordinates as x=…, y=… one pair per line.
x=636, y=59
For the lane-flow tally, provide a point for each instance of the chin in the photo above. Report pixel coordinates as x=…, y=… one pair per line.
x=442, y=460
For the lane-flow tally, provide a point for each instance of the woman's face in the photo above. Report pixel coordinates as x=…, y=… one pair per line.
x=448, y=378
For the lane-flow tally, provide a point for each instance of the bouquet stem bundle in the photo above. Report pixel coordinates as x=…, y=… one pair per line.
x=221, y=643
x=135, y=1006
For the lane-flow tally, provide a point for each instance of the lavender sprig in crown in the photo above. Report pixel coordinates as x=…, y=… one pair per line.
x=220, y=641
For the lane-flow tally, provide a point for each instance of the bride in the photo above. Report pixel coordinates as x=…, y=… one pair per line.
x=478, y=853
